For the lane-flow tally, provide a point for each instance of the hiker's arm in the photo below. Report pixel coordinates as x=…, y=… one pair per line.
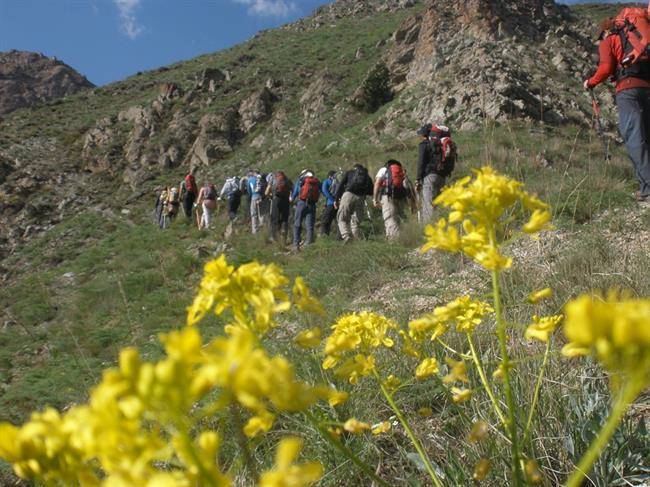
x=295, y=193
x=376, y=192
x=606, y=66
x=341, y=189
x=326, y=189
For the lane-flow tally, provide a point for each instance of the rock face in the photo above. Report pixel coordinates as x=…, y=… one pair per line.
x=493, y=59
x=27, y=78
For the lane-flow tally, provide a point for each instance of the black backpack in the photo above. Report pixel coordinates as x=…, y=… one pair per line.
x=435, y=156
x=358, y=181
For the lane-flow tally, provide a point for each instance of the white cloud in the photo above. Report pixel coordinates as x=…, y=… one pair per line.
x=130, y=24
x=269, y=8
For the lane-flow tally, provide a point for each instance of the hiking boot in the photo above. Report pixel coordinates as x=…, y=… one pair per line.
x=641, y=198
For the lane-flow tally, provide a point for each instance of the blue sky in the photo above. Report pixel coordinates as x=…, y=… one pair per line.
x=108, y=40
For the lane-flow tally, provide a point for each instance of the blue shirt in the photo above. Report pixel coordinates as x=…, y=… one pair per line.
x=252, y=182
x=327, y=184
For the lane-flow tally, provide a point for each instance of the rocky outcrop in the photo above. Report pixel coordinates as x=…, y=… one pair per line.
x=491, y=59
x=97, y=146
x=217, y=137
x=256, y=108
x=28, y=78
x=332, y=12
x=316, y=100
x=169, y=91
x=210, y=79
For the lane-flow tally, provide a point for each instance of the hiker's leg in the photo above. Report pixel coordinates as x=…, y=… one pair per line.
x=283, y=214
x=389, y=213
x=275, y=218
x=427, y=198
x=255, y=215
x=632, y=125
x=310, y=222
x=297, y=225
x=344, y=215
x=357, y=216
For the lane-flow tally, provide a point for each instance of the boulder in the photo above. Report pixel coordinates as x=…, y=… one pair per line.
x=257, y=108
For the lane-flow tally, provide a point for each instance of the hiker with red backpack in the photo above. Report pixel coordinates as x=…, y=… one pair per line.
x=188, y=192
x=305, y=194
x=278, y=192
x=393, y=192
x=351, y=200
x=433, y=167
x=625, y=58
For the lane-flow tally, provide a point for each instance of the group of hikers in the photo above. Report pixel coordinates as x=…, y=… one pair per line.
x=269, y=199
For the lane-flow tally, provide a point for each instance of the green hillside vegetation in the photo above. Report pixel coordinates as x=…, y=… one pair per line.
x=105, y=279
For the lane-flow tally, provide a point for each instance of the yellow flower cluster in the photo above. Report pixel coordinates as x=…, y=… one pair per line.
x=143, y=422
x=477, y=206
x=357, y=332
x=286, y=473
x=543, y=327
x=615, y=329
x=466, y=313
x=253, y=292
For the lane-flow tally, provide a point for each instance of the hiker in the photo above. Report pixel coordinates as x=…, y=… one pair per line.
x=231, y=194
x=392, y=193
x=256, y=189
x=207, y=200
x=160, y=204
x=278, y=192
x=305, y=194
x=173, y=204
x=329, y=188
x=428, y=182
x=632, y=79
x=350, y=201
x=243, y=189
x=188, y=192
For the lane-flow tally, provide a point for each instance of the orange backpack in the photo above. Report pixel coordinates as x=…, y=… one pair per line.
x=633, y=25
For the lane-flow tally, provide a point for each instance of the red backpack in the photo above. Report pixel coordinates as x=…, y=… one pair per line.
x=281, y=184
x=633, y=25
x=449, y=154
x=394, y=182
x=309, y=191
x=190, y=184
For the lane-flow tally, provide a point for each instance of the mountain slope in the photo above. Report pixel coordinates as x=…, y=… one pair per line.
x=28, y=78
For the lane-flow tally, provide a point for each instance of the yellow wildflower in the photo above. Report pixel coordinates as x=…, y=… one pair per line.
x=338, y=397
x=476, y=207
x=258, y=425
x=309, y=338
x=543, y=327
x=457, y=371
x=460, y=395
x=532, y=472
x=355, y=427
x=466, y=313
x=616, y=330
x=391, y=383
x=427, y=368
x=303, y=299
x=286, y=473
x=478, y=432
x=537, y=296
x=381, y=428
x=482, y=469
x=425, y=412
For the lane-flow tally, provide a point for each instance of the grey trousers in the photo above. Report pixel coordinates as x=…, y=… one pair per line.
x=350, y=215
x=634, y=124
x=431, y=187
x=392, y=211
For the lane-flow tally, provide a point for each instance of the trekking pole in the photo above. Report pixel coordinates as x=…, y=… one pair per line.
x=599, y=123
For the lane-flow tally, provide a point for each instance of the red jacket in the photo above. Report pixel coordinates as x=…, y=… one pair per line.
x=611, y=54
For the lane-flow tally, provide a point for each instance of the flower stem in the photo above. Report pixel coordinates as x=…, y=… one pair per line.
x=346, y=451
x=538, y=386
x=627, y=395
x=505, y=361
x=243, y=442
x=486, y=384
x=409, y=432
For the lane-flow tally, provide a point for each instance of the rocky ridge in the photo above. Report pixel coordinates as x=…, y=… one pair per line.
x=28, y=78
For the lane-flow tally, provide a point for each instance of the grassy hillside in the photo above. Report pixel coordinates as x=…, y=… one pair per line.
x=107, y=278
